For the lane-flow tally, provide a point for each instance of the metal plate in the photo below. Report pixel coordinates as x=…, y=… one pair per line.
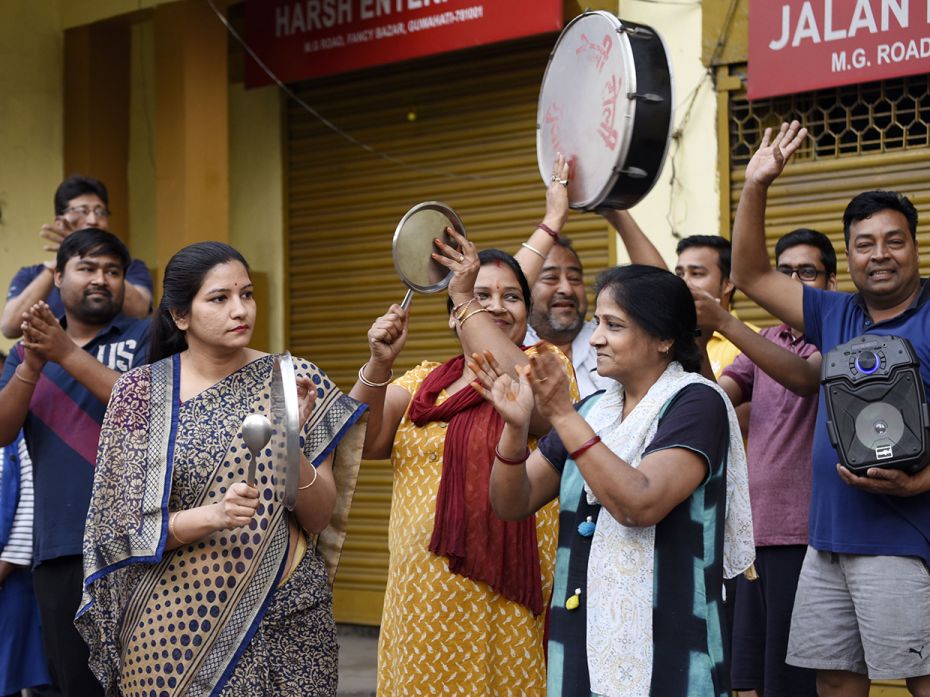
x=285, y=440
x=413, y=244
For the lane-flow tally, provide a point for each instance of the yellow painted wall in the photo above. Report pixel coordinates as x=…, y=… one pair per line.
x=141, y=172
x=31, y=159
x=689, y=204
x=256, y=211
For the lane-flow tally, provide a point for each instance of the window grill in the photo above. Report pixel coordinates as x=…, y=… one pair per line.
x=873, y=117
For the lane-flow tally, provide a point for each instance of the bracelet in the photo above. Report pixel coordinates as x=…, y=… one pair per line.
x=583, y=448
x=512, y=461
x=20, y=377
x=548, y=230
x=462, y=306
x=171, y=518
x=471, y=314
x=307, y=486
x=365, y=381
x=534, y=250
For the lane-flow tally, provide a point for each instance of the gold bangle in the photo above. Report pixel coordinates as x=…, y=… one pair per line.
x=307, y=486
x=20, y=377
x=463, y=307
x=534, y=250
x=172, y=517
x=365, y=381
x=471, y=314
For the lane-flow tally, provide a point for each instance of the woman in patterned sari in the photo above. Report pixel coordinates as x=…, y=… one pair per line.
x=651, y=480
x=196, y=581
x=466, y=592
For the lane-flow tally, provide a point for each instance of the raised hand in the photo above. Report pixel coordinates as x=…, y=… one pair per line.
x=43, y=335
x=462, y=262
x=557, y=194
x=387, y=337
x=513, y=399
x=55, y=233
x=237, y=508
x=306, y=398
x=770, y=159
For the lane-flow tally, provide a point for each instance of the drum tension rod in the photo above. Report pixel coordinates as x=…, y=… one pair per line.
x=645, y=97
x=633, y=172
x=641, y=32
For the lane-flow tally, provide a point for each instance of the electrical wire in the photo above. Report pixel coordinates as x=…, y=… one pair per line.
x=326, y=122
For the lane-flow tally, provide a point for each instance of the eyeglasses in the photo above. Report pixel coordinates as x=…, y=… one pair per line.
x=84, y=211
x=805, y=273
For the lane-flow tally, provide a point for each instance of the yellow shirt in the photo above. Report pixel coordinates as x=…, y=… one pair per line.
x=721, y=352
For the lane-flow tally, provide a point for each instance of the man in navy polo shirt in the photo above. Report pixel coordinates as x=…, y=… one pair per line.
x=80, y=202
x=55, y=385
x=862, y=610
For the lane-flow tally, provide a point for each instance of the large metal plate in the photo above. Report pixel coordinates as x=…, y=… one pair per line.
x=285, y=440
x=413, y=245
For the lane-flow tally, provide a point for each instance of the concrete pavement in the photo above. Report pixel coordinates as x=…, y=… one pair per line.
x=358, y=660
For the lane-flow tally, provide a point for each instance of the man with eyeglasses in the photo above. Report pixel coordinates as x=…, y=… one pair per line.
x=779, y=372
x=862, y=609
x=80, y=202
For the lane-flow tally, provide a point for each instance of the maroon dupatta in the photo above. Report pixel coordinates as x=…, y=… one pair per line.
x=466, y=530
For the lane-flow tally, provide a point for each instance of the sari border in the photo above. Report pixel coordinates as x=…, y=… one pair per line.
x=334, y=442
x=159, y=551
x=247, y=637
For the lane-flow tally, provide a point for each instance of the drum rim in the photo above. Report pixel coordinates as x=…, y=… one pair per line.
x=593, y=202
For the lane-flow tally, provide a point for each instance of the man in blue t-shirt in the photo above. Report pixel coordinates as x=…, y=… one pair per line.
x=80, y=202
x=862, y=610
x=55, y=386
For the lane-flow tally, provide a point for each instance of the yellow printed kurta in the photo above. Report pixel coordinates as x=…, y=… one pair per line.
x=444, y=634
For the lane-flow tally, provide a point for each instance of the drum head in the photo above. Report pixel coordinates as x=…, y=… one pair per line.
x=585, y=107
x=413, y=244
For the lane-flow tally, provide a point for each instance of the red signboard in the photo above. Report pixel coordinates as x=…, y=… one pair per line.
x=801, y=45
x=300, y=39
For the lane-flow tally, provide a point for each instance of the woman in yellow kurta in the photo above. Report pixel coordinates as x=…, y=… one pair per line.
x=464, y=605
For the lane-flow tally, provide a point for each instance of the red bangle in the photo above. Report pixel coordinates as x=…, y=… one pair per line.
x=583, y=448
x=548, y=230
x=511, y=461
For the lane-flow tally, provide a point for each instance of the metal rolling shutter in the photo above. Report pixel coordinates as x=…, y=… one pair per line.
x=470, y=114
x=872, y=136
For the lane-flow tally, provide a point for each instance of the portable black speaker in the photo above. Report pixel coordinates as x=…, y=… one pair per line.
x=876, y=406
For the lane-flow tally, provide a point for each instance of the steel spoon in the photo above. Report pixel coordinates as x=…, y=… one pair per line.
x=256, y=432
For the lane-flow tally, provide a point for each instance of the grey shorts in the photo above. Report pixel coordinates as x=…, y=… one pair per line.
x=865, y=614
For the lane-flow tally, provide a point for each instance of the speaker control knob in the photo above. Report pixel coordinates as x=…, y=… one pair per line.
x=867, y=362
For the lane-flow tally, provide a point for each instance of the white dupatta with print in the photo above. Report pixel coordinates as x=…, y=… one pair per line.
x=620, y=567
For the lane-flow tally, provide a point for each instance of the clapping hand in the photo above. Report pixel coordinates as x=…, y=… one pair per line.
x=44, y=336
x=513, y=399
x=549, y=383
